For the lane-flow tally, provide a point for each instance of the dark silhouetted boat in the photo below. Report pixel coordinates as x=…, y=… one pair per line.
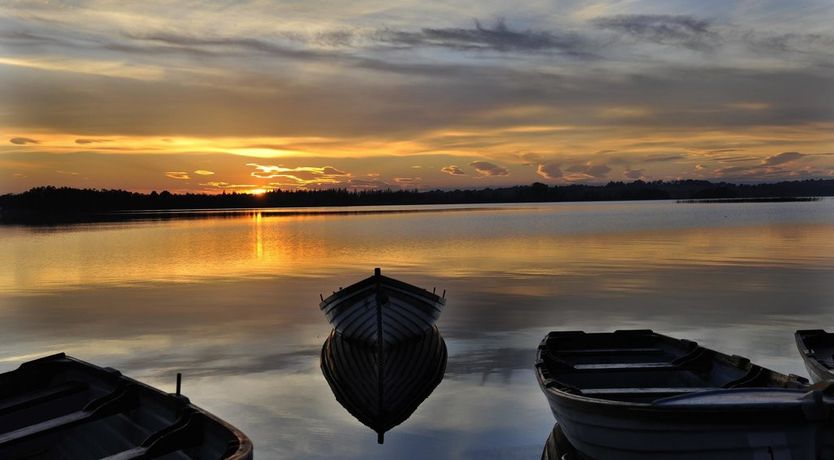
x=638, y=394
x=63, y=408
x=383, y=309
x=817, y=349
x=383, y=387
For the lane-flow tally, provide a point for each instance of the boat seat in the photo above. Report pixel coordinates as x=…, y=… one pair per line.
x=622, y=366
x=641, y=391
x=184, y=432
x=41, y=395
x=609, y=351
x=121, y=399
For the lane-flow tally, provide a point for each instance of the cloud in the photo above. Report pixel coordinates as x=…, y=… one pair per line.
x=687, y=31
x=663, y=158
x=408, y=181
x=485, y=168
x=368, y=183
x=220, y=184
x=586, y=171
x=598, y=170
x=549, y=171
x=180, y=175
x=453, y=170
x=23, y=140
x=203, y=172
x=299, y=176
x=782, y=158
x=775, y=167
x=499, y=37
x=85, y=141
x=634, y=173
x=529, y=159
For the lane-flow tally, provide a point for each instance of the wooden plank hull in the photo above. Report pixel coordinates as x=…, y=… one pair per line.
x=61, y=407
x=817, y=349
x=680, y=401
x=382, y=305
x=382, y=388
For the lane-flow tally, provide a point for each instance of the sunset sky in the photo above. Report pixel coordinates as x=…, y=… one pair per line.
x=212, y=96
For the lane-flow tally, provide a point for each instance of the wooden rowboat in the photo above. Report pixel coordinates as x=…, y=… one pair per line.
x=638, y=395
x=382, y=311
x=61, y=407
x=817, y=349
x=383, y=387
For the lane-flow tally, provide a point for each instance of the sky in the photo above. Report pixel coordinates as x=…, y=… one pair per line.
x=253, y=95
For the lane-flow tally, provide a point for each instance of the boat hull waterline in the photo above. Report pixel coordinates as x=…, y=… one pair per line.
x=678, y=400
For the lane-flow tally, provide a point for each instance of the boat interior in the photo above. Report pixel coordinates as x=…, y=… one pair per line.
x=59, y=407
x=642, y=366
x=819, y=345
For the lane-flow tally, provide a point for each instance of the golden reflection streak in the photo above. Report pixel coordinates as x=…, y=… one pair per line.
x=259, y=242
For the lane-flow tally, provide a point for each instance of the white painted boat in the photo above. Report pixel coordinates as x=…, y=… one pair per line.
x=641, y=395
x=382, y=311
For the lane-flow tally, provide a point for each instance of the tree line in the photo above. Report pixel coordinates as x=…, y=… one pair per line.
x=66, y=200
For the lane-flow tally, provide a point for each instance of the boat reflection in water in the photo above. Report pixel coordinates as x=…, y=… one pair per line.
x=382, y=387
x=557, y=447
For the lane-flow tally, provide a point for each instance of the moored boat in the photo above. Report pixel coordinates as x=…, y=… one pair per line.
x=382, y=311
x=817, y=349
x=382, y=387
x=62, y=407
x=638, y=394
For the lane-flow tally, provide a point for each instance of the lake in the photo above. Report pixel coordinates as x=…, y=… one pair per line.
x=231, y=301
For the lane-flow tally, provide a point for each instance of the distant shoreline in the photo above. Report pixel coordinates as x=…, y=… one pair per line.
x=44, y=205
x=765, y=199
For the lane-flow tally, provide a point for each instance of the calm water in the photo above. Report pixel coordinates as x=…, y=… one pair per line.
x=232, y=302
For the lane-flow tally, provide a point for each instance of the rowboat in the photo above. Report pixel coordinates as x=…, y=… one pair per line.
x=638, y=394
x=62, y=407
x=817, y=349
x=382, y=387
x=382, y=310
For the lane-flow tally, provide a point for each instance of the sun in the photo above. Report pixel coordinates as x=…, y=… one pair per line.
x=257, y=191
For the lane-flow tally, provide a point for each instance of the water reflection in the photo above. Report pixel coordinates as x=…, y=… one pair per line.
x=382, y=387
x=156, y=298
x=557, y=447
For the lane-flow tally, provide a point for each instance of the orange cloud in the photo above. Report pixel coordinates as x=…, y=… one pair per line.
x=180, y=175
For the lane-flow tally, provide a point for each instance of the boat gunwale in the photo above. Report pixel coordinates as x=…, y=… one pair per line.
x=395, y=283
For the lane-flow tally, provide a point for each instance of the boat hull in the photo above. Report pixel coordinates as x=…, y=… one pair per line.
x=816, y=347
x=622, y=433
x=667, y=398
x=382, y=305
